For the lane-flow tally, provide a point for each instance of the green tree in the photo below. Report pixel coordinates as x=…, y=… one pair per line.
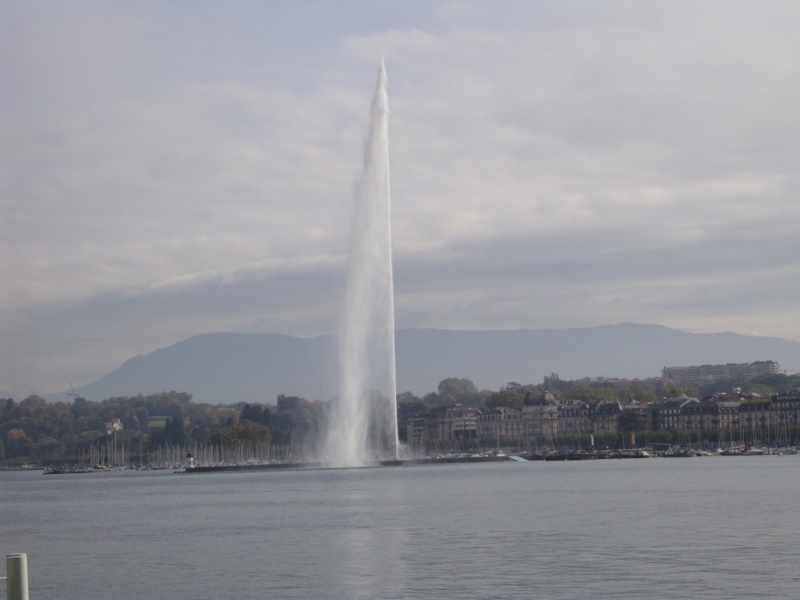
x=246, y=432
x=553, y=383
x=174, y=432
x=589, y=394
x=19, y=443
x=640, y=394
x=672, y=390
x=454, y=389
x=508, y=398
x=256, y=413
x=32, y=403
x=631, y=420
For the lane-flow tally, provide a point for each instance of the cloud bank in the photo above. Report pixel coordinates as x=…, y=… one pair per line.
x=171, y=171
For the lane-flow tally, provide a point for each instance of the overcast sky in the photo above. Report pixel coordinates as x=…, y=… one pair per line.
x=177, y=168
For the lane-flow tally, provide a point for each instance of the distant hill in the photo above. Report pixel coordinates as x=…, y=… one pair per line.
x=228, y=368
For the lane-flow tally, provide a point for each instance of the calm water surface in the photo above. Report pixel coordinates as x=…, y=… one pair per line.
x=715, y=527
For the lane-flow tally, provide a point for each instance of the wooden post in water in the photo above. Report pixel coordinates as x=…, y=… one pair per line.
x=17, y=573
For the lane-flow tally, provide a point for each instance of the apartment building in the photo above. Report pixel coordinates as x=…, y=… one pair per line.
x=699, y=375
x=751, y=416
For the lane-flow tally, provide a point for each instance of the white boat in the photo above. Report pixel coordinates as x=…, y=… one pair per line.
x=754, y=452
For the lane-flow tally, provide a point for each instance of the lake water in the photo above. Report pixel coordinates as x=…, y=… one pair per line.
x=714, y=527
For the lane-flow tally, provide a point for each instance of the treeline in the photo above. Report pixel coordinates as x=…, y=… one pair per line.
x=591, y=391
x=134, y=429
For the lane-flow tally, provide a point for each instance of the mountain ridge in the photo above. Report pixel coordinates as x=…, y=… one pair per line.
x=257, y=367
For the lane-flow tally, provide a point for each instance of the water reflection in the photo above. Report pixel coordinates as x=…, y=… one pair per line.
x=371, y=543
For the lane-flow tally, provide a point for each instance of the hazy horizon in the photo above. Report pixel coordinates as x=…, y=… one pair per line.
x=231, y=367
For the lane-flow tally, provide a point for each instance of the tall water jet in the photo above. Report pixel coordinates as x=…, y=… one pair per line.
x=363, y=425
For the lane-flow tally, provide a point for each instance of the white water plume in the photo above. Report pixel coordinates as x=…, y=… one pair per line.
x=363, y=426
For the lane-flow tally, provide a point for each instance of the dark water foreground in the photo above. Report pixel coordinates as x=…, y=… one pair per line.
x=699, y=528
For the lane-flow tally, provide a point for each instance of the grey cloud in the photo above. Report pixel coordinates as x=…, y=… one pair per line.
x=552, y=165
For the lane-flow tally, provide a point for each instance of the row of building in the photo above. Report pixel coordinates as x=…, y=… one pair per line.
x=544, y=417
x=703, y=374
